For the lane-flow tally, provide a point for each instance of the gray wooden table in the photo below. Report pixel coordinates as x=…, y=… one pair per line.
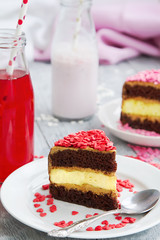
x=48, y=129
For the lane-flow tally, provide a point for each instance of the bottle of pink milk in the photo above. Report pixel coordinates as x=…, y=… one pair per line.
x=74, y=62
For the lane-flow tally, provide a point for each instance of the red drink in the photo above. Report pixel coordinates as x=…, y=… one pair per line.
x=16, y=121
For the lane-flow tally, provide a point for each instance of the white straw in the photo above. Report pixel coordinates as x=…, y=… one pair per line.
x=78, y=25
x=22, y=15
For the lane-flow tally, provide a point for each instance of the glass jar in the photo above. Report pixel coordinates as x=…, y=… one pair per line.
x=74, y=61
x=16, y=106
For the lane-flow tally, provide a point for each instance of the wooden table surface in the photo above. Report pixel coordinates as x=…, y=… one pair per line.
x=48, y=129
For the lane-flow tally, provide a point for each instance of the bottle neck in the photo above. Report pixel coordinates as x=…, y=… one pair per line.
x=9, y=40
x=12, y=49
x=75, y=25
x=76, y=3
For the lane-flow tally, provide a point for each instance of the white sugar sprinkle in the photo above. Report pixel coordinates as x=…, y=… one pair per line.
x=50, y=124
x=37, y=119
x=73, y=122
x=81, y=122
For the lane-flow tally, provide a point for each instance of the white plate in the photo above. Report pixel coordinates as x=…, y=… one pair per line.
x=109, y=115
x=17, y=194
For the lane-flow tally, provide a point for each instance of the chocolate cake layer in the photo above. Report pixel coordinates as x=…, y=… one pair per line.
x=84, y=159
x=148, y=92
x=138, y=124
x=89, y=199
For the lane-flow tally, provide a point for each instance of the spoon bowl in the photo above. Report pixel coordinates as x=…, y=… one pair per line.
x=138, y=203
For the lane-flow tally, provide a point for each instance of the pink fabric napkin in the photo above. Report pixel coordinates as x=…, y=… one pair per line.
x=124, y=31
x=127, y=30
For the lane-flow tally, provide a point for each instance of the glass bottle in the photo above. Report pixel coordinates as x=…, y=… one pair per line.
x=74, y=61
x=16, y=106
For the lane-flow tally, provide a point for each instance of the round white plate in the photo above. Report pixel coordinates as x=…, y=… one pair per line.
x=17, y=194
x=109, y=115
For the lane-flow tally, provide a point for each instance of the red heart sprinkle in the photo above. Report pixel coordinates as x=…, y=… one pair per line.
x=37, y=205
x=43, y=214
x=98, y=228
x=53, y=208
x=50, y=201
x=74, y=212
x=88, y=215
x=89, y=229
x=104, y=222
x=45, y=187
x=40, y=210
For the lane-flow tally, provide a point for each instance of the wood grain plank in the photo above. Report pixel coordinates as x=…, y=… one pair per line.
x=144, y=63
x=41, y=79
x=40, y=145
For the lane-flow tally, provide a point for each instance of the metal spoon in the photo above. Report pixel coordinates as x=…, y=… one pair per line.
x=138, y=203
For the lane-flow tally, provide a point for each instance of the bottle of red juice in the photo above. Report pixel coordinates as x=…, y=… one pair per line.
x=16, y=106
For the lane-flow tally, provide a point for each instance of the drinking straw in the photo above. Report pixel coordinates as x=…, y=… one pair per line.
x=22, y=15
x=78, y=25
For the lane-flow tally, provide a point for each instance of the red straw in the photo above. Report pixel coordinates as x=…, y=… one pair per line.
x=21, y=19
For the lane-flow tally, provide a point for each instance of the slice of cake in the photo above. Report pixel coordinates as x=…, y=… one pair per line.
x=82, y=170
x=141, y=101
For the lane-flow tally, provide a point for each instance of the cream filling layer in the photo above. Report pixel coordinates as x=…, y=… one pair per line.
x=76, y=177
x=139, y=107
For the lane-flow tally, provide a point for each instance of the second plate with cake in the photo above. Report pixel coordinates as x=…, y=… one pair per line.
x=109, y=115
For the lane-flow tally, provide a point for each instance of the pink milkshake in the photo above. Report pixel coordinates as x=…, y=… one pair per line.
x=74, y=81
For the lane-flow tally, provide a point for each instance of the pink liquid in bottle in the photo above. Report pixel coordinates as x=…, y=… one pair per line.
x=16, y=121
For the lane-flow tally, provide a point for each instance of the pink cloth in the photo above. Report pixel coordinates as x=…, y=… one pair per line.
x=127, y=30
x=124, y=31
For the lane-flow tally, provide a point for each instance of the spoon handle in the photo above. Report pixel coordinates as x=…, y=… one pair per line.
x=79, y=225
